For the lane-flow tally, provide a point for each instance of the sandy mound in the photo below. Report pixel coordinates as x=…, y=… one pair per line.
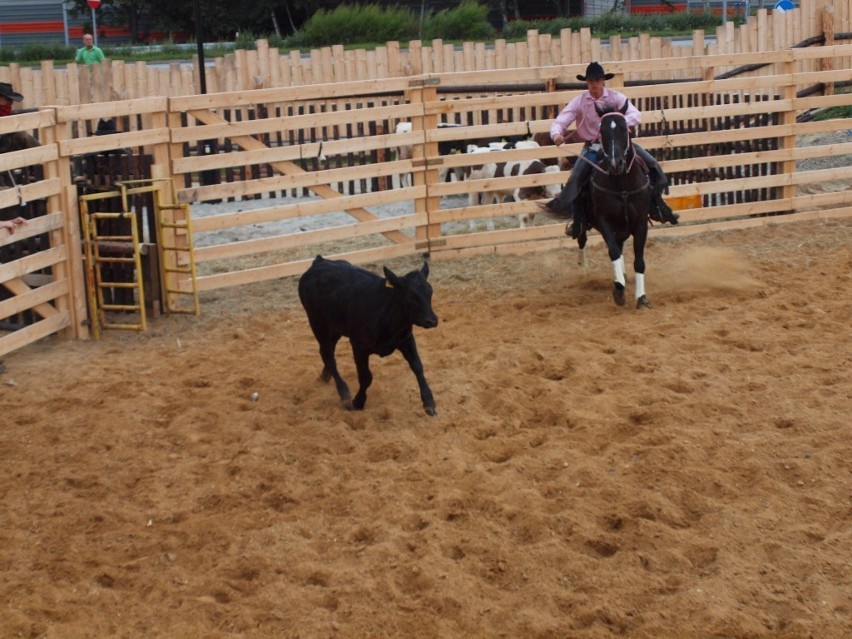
x=593, y=471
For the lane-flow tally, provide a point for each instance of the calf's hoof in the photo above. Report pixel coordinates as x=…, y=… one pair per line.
x=430, y=410
x=642, y=302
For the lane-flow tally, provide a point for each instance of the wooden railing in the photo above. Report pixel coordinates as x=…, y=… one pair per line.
x=275, y=176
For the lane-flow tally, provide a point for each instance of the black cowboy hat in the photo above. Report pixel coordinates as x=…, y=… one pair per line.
x=7, y=92
x=595, y=72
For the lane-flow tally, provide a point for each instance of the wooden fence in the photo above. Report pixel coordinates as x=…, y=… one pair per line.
x=266, y=67
x=729, y=143
x=275, y=176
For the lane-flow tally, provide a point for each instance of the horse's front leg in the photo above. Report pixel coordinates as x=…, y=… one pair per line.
x=615, y=247
x=639, y=238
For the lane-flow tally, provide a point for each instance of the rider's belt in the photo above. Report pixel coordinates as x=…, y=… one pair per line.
x=594, y=146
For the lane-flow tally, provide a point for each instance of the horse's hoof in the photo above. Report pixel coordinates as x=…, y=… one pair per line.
x=618, y=294
x=642, y=302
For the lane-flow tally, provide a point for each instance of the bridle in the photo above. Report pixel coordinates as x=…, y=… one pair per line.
x=628, y=148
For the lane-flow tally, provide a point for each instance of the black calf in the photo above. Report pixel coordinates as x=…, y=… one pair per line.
x=376, y=314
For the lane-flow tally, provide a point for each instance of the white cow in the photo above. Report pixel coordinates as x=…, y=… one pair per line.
x=496, y=170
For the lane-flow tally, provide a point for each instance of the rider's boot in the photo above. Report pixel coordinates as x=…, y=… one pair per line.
x=660, y=211
x=576, y=224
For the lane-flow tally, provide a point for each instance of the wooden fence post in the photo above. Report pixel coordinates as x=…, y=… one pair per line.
x=424, y=91
x=68, y=236
x=788, y=119
x=826, y=63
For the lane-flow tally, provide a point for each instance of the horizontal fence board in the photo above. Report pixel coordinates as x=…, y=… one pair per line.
x=293, y=122
x=100, y=143
x=34, y=298
x=34, y=332
x=299, y=209
x=107, y=109
x=32, y=263
x=306, y=238
x=33, y=227
x=276, y=271
x=28, y=157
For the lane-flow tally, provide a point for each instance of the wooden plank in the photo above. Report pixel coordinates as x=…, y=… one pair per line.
x=27, y=298
x=28, y=121
x=32, y=333
x=288, y=123
x=306, y=238
x=302, y=209
x=288, y=94
x=758, y=157
x=28, y=157
x=100, y=143
x=32, y=263
x=289, y=269
x=121, y=108
x=313, y=180
x=29, y=192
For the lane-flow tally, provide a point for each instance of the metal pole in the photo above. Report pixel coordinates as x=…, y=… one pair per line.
x=199, y=36
x=94, y=27
x=65, y=21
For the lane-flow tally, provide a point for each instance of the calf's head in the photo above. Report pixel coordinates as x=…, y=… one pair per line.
x=414, y=294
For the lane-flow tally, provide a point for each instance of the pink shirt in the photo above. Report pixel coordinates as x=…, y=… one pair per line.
x=582, y=111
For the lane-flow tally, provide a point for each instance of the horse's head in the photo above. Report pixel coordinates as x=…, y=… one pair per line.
x=615, y=138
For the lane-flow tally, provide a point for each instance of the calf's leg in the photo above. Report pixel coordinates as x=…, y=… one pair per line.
x=409, y=352
x=329, y=369
x=365, y=377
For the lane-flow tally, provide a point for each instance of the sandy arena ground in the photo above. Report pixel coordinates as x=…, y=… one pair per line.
x=593, y=471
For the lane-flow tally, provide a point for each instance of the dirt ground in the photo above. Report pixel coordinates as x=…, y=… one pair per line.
x=593, y=471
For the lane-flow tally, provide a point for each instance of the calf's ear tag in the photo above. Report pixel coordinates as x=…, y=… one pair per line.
x=388, y=284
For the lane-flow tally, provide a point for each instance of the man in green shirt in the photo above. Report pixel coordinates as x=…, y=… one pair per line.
x=89, y=53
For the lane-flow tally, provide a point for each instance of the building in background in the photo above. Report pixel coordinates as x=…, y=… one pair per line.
x=50, y=21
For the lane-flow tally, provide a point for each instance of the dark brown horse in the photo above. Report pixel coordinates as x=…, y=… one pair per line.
x=618, y=200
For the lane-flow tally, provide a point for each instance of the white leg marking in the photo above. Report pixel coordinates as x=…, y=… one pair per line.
x=640, y=285
x=618, y=270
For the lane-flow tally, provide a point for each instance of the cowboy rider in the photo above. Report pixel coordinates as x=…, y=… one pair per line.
x=581, y=110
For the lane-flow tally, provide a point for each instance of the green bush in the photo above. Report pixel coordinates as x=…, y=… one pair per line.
x=618, y=24
x=246, y=40
x=37, y=51
x=353, y=24
x=468, y=21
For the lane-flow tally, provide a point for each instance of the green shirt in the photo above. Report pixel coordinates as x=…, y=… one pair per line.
x=90, y=56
